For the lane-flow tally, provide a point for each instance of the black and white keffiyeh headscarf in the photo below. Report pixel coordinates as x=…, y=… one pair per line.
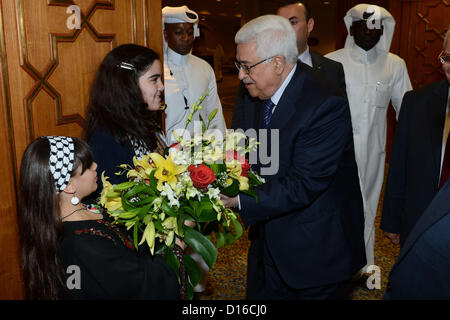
x=61, y=160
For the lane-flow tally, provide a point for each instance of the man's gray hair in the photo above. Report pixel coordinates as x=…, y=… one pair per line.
x=273, y=34
x=446, y=36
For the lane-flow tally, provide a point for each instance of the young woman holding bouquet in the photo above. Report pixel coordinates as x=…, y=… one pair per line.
x=123, y=109
x=70, y=251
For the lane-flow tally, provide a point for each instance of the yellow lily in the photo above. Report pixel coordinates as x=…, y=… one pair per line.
x=110, y=203
x=234, y=169
x=166, y=170
x=142, y=168
x=149, y=236
x=243, y=183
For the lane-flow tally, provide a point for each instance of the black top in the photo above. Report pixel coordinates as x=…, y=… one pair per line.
x=109, y=265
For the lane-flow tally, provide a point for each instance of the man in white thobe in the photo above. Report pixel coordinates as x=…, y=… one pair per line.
x=373, y=77
x=186, y=77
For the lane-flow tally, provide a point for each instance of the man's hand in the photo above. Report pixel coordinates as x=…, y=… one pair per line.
x=394, y=237
x=229, y=202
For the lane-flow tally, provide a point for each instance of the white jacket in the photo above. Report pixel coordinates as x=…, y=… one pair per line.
x=187, y=76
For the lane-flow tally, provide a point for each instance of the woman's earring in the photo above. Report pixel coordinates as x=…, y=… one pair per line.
x=75, y=200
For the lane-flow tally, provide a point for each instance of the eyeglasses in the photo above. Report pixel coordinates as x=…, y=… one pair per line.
x=246, y=69
x=444, y=57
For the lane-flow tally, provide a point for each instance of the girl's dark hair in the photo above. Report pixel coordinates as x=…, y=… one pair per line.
x=116, y=100
x=40, y=225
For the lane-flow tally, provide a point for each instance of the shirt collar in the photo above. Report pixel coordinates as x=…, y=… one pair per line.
x=277, y=95
x=176, y=58
x=361, y=55
x=305, y=57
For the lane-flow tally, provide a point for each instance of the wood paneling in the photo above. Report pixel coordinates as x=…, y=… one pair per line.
x=423, y=28
x=47, y=70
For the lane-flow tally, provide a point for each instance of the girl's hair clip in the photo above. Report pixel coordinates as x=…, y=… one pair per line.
x=126, y=65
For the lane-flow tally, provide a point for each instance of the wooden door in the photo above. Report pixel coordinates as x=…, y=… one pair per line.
x=422, y=29
x=48, y=61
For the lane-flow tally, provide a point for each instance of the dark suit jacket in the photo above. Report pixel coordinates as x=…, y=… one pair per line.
x=311, y=210
x=422, y=270
x=415, y=161
x=328, y=71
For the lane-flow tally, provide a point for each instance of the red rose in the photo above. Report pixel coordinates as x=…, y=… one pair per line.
x=202, y=175
x=245, y=166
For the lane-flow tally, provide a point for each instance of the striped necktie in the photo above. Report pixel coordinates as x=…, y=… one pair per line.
x=267, y=112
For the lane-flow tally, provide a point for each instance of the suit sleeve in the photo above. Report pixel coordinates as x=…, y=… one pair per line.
x=318, y=150
x=402, y=84
x=341, y=79
x=394, y=196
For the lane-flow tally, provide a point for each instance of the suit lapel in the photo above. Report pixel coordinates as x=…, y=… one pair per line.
x=316, y=61
x=438, y=103
x=286, y=107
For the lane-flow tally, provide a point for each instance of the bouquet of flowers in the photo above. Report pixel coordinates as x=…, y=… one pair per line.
x=162, y=192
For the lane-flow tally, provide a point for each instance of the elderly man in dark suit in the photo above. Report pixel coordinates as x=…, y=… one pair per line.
x=307, y=225
x=329, y=71
x=420, y=158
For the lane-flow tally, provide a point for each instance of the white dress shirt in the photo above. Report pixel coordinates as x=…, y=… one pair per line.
x=305, y=57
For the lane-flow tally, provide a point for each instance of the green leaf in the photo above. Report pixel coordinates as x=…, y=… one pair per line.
x=153, y=183
x=136, y=234
x=143, y=211
x=158, y=225
x=238, y=230
x=232, y=190
x=253, y=180
x=212, y=115
x=144, y=201
x=203, y=123
x=124, y=186
x=138, y=188
x=207, y=212
x=189, y=291
x=112, y=194
x=201, y=245
x=170, y=211
x=192, y=270
x=171, y=260
x=220, y=239
x=218, y=167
